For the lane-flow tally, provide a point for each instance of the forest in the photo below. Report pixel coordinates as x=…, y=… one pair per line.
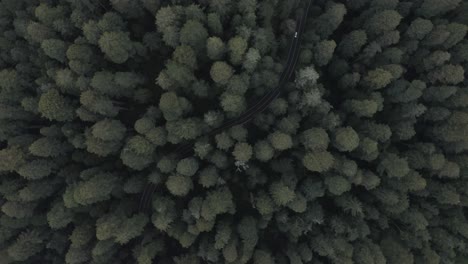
x=234, y=131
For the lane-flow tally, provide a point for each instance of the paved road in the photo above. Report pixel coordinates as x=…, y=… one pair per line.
x=186, y=150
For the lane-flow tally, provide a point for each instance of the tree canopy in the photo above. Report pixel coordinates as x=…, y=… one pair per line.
x=186, y=132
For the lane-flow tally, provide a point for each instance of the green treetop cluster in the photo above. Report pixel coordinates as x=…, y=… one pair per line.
x=362, y=159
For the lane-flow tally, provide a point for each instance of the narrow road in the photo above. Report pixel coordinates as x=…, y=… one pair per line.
x=186, y=150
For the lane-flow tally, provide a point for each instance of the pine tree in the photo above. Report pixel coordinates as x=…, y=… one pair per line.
x=170, y=106
x=281, y=193
x=430, y=8
x=186, y=55
x=324, y=52
x=179, y=185
x=315, y=139
x=237, y=47
x=27, y=245
x=221, y=72
x=97, y=188
x=117, y=46
x=280, y=141
x=242, y=152
x=329, y=21
x=419, y=28
x=346, y=139
x=194, y=34
x=55, y=49
x=109, y=130
x=48, y=147
x=382, y=22
x=54, y=106
x=319, y=161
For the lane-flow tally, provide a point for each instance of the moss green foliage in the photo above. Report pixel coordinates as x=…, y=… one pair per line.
x=54, y=106
x=221, y=72
x=361, y=159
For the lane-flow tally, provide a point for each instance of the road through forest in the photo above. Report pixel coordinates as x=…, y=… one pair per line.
x=185, y=150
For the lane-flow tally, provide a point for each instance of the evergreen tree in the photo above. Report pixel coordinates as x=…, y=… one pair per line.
x=27, y=245
x=97, y=188
x=109, y=130
x=54, y=106
x=116, y=45
x=237, y=47
x=318, y=161
x=419, y=28
x=221, y=72
x=352, y=43
x=55, y=49
x=324, y=52
x=329, y=21
x=346, y=139
x=193, y=33
x=118, y=141
x=431, y=8
x=280, y=141
x=242, y=152
x=48, y=147
x=170, y=106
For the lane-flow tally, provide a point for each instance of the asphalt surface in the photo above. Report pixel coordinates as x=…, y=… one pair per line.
x=186, y=150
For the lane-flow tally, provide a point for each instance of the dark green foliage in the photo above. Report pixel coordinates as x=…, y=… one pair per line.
x=109, y=130
x=193, y=33
x=237, y=46
x=187, y=167
x=215, y=48
x=242, y=152
x=36, y=169
x=360, y=158
x=97, y=188
x=419, y=28
x=324, y=52
x=330, y=20
x=346, y=139
x=27, y=244
x=170, y=106
x=221, y=72
x=280, y=141
x=318, y=161
x=137, y=153
x=430, y=8
x=315, y=139
x=11, y=159
x=116, y=45
x=48, y=147
x=383, y=22
x=233, y=104
x=352, y=43
x=59, y=216
x=55, y=49
x=54, y=106
x=179, y=185
x=281, y=193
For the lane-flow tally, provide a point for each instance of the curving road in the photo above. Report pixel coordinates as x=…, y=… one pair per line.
x=185, y=150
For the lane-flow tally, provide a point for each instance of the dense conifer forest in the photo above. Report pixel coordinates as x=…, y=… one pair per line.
x=234, y=131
